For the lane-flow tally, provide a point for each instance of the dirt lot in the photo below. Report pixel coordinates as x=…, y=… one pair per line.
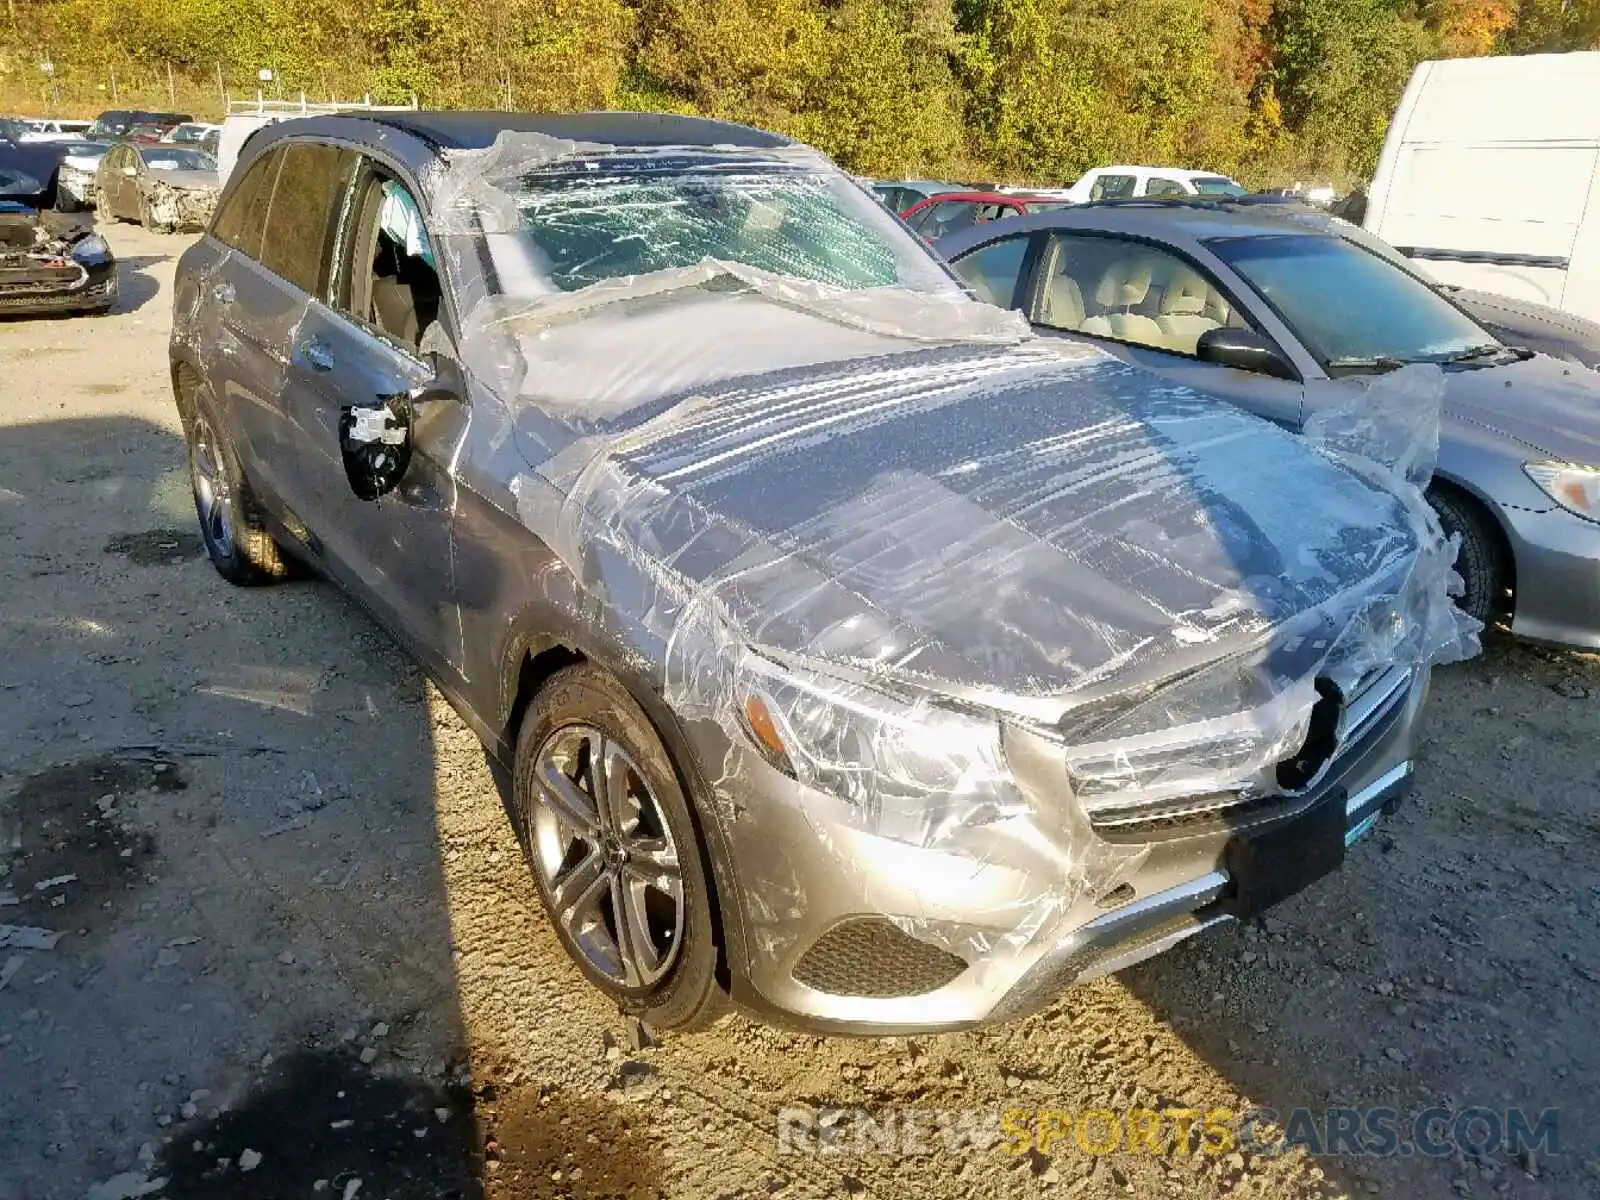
x=297, y=935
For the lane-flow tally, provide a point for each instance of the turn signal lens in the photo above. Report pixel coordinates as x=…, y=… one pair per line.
x=1575, y=488
x=762, y=729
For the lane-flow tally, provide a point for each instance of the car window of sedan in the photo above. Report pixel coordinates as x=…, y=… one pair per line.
x=1130, y=292
x=242, y=218
x=1159, y=186
x=994, y=270
x=305, y=210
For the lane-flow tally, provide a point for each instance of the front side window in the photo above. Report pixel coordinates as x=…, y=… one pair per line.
x=1112, y=187
x=391, y=280
x=242, y=218
x=1129, y=292
x=1353, y=310
x=994, y=270
x=588, y=222
x=305, y=210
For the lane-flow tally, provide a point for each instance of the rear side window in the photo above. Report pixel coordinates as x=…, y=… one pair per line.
x=305, y=209
x=1158, y=186
x=243, y=215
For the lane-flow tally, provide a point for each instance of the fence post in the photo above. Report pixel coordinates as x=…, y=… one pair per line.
x=222, y=90
x=172, y=92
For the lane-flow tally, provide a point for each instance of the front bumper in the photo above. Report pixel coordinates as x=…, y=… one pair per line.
x=179, y=210
x=1557, y=556
x=68, y=287
x=848, y=932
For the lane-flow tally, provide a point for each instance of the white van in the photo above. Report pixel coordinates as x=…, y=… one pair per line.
x=1487, y=177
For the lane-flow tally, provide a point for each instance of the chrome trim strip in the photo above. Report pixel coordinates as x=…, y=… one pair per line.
x=1354, y=805
x=1112, y=963
x=1372, y=703
x=1158, y=906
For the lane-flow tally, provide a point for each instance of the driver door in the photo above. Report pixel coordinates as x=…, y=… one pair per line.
x=352, y=353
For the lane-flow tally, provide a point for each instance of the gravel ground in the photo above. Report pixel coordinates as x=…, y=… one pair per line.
x=300, y=955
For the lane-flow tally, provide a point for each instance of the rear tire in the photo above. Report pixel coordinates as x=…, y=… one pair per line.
x=1481, y=562
x=583, y=716
x=231, y=524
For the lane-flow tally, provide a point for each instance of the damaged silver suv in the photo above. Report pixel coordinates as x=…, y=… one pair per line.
x=849, y=652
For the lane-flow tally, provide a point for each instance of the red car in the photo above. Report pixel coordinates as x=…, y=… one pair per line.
x=950, y=211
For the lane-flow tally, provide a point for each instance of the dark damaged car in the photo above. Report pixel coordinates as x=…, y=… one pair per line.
x=849, y=651
x=46, y=268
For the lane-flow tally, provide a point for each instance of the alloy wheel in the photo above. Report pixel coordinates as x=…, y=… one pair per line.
x=606, y=857
x=211, y=489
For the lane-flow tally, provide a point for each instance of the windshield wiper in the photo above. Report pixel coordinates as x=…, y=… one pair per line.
x=1486, y=350
x=1383, y=362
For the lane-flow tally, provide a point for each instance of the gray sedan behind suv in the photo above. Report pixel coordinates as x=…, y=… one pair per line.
x=1287, y=313
x=848, y=650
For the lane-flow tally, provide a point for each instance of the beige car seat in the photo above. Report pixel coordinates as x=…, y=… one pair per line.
x=1063, y=303
x=1189, y=307
x=1125, y=284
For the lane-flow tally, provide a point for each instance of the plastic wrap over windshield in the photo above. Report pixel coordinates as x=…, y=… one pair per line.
x=871, y=537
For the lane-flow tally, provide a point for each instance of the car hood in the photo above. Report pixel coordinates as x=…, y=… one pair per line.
x=1025, y=520
x=1547, y=405
x=188, y=181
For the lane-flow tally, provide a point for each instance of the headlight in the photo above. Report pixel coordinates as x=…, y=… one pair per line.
x=914, y=768
x=91, y=248
x=1576, y=489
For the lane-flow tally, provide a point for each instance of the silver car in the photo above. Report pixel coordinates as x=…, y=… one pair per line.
x=850, y=652
x=1287, y=313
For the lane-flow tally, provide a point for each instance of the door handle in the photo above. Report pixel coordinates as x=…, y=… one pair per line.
x=317, y=354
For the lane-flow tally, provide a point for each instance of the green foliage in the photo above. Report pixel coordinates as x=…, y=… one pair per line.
x=1032, y=91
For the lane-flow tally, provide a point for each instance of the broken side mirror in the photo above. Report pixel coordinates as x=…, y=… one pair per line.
x=375, y=439
x=1245, y=350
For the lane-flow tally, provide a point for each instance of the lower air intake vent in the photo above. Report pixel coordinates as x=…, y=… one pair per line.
x=871, y=956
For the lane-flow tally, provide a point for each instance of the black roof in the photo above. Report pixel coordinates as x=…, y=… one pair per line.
x=478, y=130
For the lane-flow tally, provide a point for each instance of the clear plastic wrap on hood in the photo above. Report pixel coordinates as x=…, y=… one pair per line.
x=868, y=530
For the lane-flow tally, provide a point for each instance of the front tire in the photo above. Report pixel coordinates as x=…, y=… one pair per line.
x=1481, y=561
x=231, y=524
x=614, y=851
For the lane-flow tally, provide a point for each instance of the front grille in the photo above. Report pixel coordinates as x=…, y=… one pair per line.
x=871, y=956
x=1377, y=703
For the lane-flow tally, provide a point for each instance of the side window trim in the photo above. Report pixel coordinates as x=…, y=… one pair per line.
x=1044, y=261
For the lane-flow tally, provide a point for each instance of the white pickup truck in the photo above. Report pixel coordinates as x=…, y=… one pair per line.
x=1133, y=183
